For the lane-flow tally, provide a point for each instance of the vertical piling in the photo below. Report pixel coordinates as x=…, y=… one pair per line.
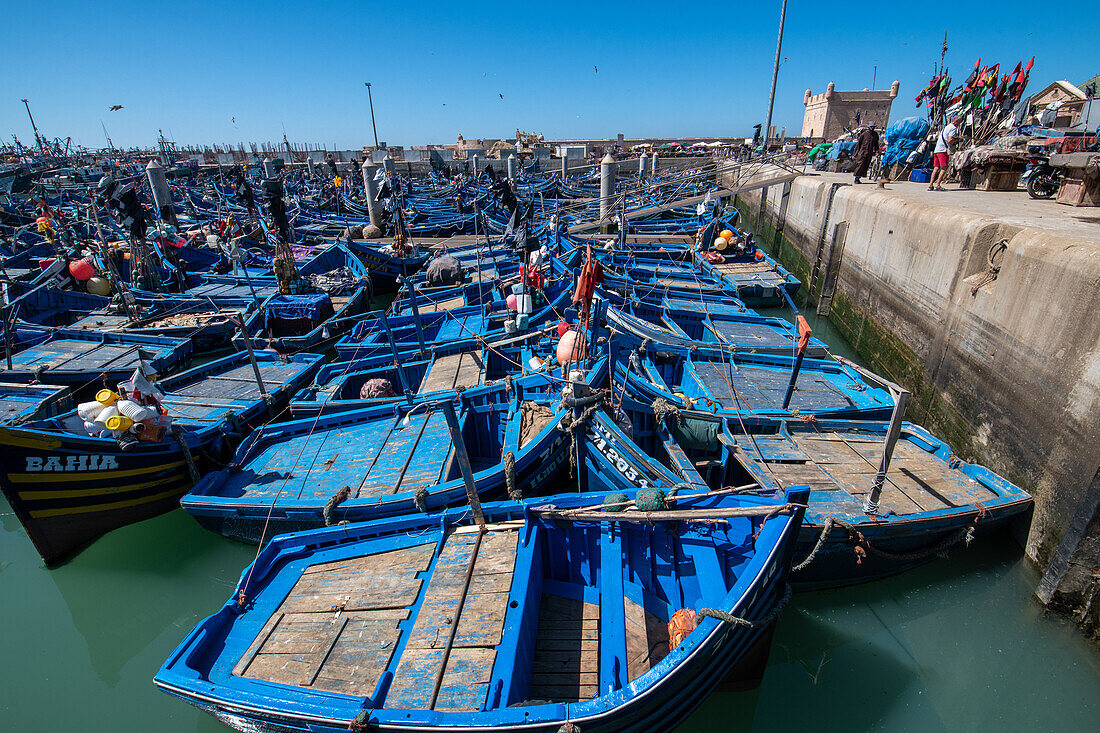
x=512, y=168
x=607, y=185
x=269, y=168
x=162, y=194
x=564, y=167
x=653, y=168
x=370, y=191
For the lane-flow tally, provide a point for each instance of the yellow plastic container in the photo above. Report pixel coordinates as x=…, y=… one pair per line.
x=119, y=422
x=107, y=397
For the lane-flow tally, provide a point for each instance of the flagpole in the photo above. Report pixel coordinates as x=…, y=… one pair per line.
x=775, y=75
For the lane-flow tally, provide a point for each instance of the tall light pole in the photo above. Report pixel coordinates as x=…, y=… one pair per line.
x=775, y=75
x=37, y=137
x=371, y=100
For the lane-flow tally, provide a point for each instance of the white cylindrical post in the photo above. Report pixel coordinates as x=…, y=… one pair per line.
x=370, y=189
x=309, y=165
x=512, y=168
x=564, y=166
x=641, y=164
x=474, y=165
x=162, y=194
x=269, y=168
x=653, y=169
x=607, y=185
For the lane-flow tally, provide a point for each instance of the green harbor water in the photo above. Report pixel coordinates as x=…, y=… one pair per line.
x=956, y=645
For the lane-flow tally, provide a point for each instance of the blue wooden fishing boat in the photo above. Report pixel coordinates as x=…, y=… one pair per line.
x=84, y=359
x=67, y=488
x=384, y=265
x=732, y=383
x=424, y=331
x=386, y=459
x=927, y=500
x=747, y=333
x=20, y=403
x=550, y=615
x=456, y=366
x=208, y=329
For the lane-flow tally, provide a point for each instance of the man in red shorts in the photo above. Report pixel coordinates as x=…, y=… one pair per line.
x=944, y=142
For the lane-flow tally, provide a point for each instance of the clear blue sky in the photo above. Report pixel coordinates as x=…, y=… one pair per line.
x=664, y=69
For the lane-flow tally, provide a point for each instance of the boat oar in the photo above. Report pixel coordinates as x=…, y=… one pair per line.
x=804, y=333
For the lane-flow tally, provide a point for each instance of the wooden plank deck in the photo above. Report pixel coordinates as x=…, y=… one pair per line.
x=646, y=639
x=338, y=627
x=728, y=268
x=567, y=651
x=374, y=458
x=478, y=626
x=448, y=372
x=442, y=305
x=760, y=388
x=916, y=482
x=76, y=355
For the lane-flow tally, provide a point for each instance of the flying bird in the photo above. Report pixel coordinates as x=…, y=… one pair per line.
x=501, y=96
x=596, y=68
x=115, y=107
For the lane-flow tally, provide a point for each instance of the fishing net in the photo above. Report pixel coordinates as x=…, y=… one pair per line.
x=444, y=270
x=374, y=389
x=533, y=418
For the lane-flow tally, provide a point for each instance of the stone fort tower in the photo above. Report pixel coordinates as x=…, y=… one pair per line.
x=830, y=114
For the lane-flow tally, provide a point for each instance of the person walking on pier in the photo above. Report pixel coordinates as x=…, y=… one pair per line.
x=866, y=150
x=945, y=141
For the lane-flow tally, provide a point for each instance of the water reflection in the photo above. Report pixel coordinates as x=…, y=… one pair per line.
x=958, y=644
x=125, y=589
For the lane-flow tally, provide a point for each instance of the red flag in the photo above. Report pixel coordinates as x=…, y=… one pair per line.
x=1029, y=64
x=969, y=83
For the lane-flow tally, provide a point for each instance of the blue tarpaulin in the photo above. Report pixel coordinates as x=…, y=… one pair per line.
x=902, y=138
x=846, y=148
x=316, y=308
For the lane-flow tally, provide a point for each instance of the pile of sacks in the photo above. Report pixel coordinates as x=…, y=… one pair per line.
x=131, y=415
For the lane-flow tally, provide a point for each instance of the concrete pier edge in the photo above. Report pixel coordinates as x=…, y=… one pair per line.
x=1006, y=370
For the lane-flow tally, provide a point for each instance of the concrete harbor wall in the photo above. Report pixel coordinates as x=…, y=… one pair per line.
x=1008, y=374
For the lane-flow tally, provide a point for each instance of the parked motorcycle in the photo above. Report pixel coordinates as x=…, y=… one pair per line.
x=1042, y=178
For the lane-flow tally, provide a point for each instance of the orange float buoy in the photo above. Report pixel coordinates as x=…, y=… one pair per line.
x=726, y=234
x=680, y=625
x=81, y=270
x=570, y=349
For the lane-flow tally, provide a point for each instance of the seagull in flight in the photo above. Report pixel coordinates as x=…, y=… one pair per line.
x=114, y=108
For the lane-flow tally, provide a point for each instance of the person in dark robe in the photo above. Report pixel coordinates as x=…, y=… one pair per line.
x=866, y=150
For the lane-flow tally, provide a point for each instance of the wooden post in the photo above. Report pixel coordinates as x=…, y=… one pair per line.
x=8, y=345
x=397, y=359
x=870, y=506
x=252, y=360
x=416, y=316
x=463, y=460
